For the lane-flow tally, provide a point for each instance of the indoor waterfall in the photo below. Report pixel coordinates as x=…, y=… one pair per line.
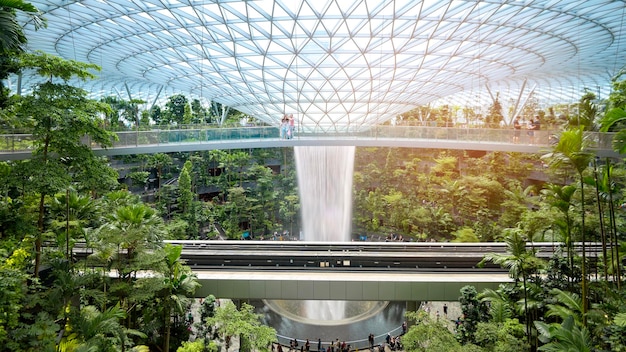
x=325, y=184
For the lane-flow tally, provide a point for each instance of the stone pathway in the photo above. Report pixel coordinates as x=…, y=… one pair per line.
x=436, y=311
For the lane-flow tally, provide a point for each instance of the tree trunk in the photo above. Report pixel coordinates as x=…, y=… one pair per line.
x=614, y=242
x=40, y=229
x=601, y=220
x=584, y=251
x=40, y=224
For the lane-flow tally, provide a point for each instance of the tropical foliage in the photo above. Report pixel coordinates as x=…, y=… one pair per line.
x=83, y=265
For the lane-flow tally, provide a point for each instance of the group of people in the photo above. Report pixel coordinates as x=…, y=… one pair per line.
x=392, y=342
x=287, y=126
x=533, y=125
x=294, y=346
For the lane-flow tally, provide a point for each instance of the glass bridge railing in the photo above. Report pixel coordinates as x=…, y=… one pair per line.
x=20, y=143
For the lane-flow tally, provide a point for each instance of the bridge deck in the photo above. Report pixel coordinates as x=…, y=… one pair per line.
x=333, y=285
x=357, y=270
x=20, y=146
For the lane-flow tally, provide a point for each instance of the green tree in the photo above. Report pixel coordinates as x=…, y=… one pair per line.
x=614, y=119
x=61, y=115
x=207, y=311
x=572, y=151
x=561, y=198
x=93, y=330
x=126, y=242
x=474, y=312
x=566, y=337
x=185, y=193
x=174, y=111
x=264, y=193
x=199, y=113
x=13, y=292
x=243, y=323
x=159, y=161
x=520, y=261
x=506, y=336
x=198, y=346
x=71, y=214
x=428, y=335
x=132, y=229
x=180, y=283
x=587, y=114
x=494, y=116
x=12, y=39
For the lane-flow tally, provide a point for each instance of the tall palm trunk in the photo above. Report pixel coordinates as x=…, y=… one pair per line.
x=601, y=220
x=615, y=262
x=526, y=305
x=40, y=223
x=570, y=250
x=584, y=251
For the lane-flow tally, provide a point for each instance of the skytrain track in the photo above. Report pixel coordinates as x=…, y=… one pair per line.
x=349, y=256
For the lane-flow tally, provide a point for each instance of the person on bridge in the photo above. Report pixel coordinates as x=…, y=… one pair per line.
x=533, y=125
x=291, y=126
x=517, y=126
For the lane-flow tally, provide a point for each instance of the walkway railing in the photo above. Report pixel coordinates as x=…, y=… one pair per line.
x=20, y=143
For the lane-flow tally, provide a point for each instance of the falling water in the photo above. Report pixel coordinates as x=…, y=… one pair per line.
x=325, y=184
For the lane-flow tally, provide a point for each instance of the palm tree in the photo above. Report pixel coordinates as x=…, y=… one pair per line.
x=500, y=307
x=570, y=305
x=519, y=261
x=93, y=330
x=12, y=38
x=560, y=197
x=72, y=213
x=123, y=241
x=566, y=337
x=133, y=228
x=179, y=284
x=572, y=151
x=159, y=161
x=615, y=116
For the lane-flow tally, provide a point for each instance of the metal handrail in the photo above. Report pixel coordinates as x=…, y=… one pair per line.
x=19, y=143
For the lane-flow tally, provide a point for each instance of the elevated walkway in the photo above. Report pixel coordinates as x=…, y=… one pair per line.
x=396, y=271
x=349, y=286
x=20, y=146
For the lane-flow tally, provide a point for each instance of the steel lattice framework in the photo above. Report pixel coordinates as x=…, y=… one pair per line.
x=337, y=63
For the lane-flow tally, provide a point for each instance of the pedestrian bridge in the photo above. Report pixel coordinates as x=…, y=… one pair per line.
x=352, y=271
x=361, y=270
x=390, y=285
x=20, y=146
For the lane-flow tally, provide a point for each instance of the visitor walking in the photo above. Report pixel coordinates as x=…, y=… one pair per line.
x=291, y=126
x=533, y=125
x=517, y=127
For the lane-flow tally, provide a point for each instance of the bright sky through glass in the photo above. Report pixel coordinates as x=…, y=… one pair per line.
x=339, y=64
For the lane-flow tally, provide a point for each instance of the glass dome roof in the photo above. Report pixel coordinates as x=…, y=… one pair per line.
x=337, y=64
